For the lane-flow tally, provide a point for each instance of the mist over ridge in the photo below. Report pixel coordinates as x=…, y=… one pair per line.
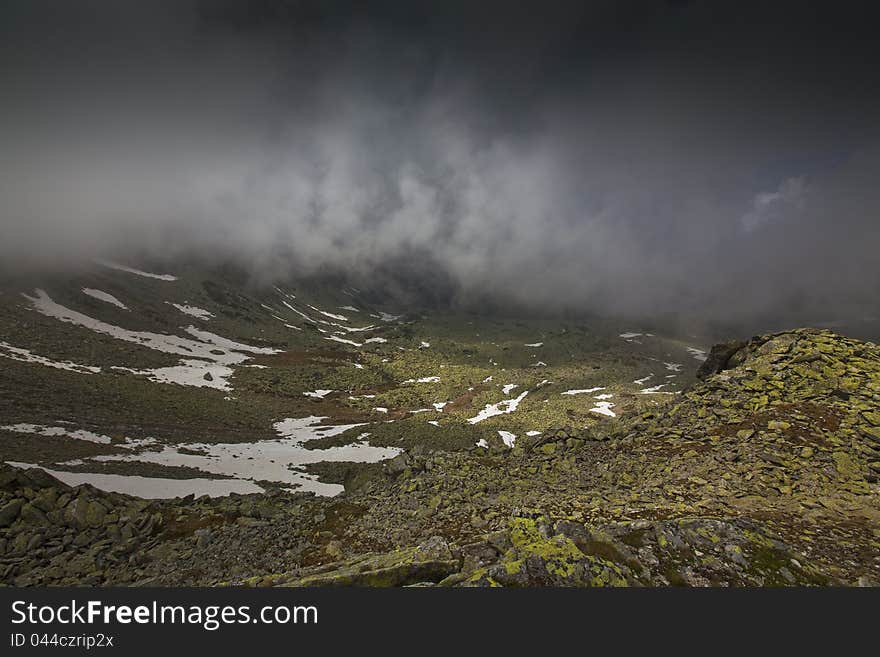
x=711, y=160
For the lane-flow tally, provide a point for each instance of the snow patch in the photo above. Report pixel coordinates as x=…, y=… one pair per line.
x=697, y=354
x=341, y=318
x=190, y=372
x=208, y=358
x=192, y=311
x=150, y=487
x=508, y=438
x=317, y=394
x=386, y=317
x=299, y=312
x=106, y=297
x=131, y=270
x=344, y=341
x=656, y=389
x=42, y=430
x=501, y=408
x=583, y=391
x=25, y=356
x=271, y=460
x=204, y=347
x=303, y=429
x=604, y=408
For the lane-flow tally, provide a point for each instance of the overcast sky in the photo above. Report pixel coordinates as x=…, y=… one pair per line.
x=704, y=158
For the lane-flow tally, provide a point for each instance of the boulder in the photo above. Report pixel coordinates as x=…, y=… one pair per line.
x=430, y=561
x=718, y=358
x=9, y=512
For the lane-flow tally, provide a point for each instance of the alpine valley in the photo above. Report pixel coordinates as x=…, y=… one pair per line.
x=164, y=424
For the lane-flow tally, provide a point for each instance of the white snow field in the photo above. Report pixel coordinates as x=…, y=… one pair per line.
x=106, y=297
x=138, y=272
x=26, y=356
x=208, y=357
x=501, y=408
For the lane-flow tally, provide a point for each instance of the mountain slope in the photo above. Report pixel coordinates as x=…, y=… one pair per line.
x=204, y=382
x=764, y=472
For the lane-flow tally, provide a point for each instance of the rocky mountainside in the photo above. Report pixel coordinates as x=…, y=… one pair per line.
x=763, y=472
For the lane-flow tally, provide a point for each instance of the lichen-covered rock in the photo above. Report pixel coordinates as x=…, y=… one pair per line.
x=430, y=561
x=710, y=552
x=540, y=557
x=687, y=552
x=9, y=512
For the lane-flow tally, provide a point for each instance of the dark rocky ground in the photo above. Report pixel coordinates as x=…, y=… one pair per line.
x=764, y=472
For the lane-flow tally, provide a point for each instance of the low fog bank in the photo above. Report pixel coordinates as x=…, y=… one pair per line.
x=714, y=163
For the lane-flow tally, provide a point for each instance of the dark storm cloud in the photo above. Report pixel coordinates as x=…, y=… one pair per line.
x=711, y=159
